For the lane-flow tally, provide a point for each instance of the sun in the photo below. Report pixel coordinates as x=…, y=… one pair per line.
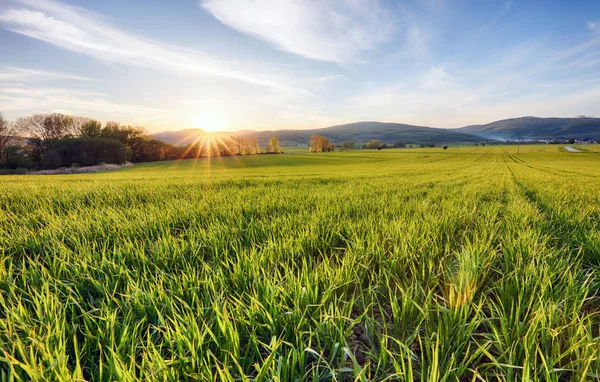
x=209, y=122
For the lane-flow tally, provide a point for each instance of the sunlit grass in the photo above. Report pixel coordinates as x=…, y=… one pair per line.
x=472, y=263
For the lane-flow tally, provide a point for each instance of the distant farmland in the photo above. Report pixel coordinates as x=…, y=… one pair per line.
x=417, y=264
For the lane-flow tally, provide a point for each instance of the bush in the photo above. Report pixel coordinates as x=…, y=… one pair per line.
x=16, y=171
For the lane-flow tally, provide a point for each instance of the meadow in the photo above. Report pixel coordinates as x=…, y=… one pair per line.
x=466, y=264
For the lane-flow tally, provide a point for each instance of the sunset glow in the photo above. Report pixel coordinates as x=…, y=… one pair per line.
x=209, y=123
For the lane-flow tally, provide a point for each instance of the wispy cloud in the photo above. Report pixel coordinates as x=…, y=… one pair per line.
x=336, y=30
x=14, y=74
x=76, y=29
x=72, y=101
x=23, y=90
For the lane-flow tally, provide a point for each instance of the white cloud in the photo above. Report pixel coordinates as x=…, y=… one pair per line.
x=78, y=30
x=19, y=100
x=332, y=30
x=14, y=74
x=22, y=91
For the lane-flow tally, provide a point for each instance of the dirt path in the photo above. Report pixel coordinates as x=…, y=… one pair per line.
x=572, y=150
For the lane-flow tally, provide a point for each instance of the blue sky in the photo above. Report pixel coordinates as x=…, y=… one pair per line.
x=276, y=64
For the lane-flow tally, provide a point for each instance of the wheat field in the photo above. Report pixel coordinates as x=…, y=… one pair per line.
x=466, y=264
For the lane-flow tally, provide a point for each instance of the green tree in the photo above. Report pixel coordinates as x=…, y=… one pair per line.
x=123, y=133
x=90, y=129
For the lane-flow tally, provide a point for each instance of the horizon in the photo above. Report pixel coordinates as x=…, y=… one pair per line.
x=228, y=65
x=382, y=122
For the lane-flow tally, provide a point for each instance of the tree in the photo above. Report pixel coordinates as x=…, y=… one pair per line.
x=32, y=126
x=239, y=145
x=274, y=146
x=319, y=144
x=8, y=136
x=253, y=147
x=147, y=150
x=85, y=152
x=57, y=126
x=313, y=144
x=373, y=144
x=445, y=147
x=347, y=145
x=41, y=128
x=90, y=129
x=399, y=145
x=15, y=157
x=123, y=133
x=52, y=160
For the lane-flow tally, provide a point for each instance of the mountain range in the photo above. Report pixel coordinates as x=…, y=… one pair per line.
x=532, y=128
x=524, y=128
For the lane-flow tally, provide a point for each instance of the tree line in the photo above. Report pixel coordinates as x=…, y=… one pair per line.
x=319, y=144
x=49, y=141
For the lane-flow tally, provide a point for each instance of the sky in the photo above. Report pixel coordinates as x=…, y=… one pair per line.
x=299, y=64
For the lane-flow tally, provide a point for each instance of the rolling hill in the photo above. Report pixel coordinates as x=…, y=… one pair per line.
x=524, y=128
x=536, y=129
x=359, y=132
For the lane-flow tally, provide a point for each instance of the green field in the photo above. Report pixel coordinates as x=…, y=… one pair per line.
x=414, y=264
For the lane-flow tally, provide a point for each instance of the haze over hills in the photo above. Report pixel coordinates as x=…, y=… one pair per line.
x=523, y=128
x=537, y=129
x=359, y=132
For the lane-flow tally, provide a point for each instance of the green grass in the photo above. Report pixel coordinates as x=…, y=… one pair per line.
x=412, y=264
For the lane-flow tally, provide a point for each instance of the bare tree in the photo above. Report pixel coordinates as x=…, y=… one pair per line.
x=58, y=126
x=8, y=135
x=44, y=127
x=32, y=125
x=77, y=126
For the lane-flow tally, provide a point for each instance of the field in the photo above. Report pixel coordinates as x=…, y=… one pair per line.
x=465, y=264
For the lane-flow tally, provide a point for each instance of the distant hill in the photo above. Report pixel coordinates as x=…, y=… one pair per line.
x=359, y=132
x=179, y=137
x=536, y=128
